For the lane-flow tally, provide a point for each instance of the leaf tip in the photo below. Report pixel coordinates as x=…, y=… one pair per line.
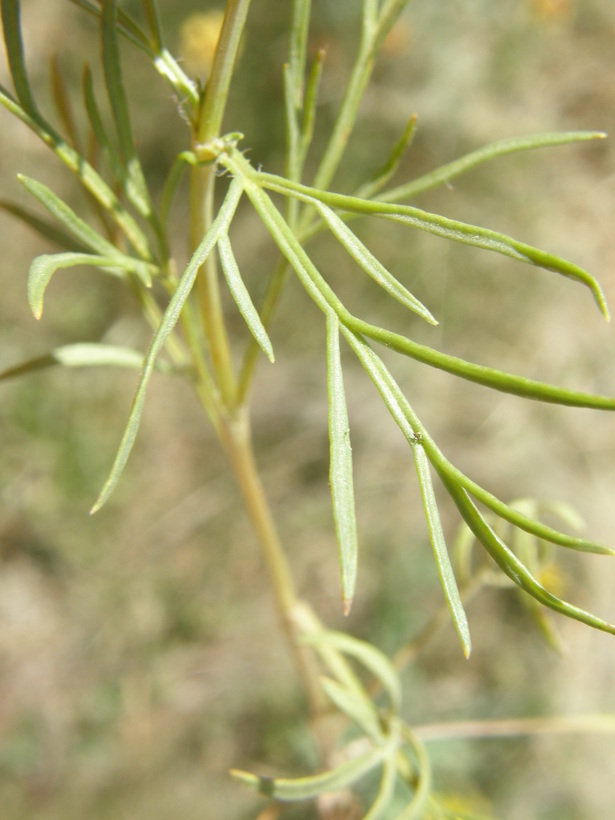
x=347, y=604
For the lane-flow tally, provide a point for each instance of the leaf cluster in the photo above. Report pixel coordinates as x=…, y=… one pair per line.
x=131, y=241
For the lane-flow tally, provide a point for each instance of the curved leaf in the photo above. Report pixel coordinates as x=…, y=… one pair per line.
x=371, y=658
x=357, y=707
x=43, y=268
x=307, y=788
x=508, y=561
x=436, y=535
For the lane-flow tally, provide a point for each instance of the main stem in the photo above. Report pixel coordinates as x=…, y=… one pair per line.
x=237, y=439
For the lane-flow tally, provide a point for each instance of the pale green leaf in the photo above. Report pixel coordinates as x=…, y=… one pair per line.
x=446, y=173
x=508, y=561
x=369, y=656
x=169, y=320
x=83, y=354
x=307, y=788
x=436, y=535
x=371, y=265
x=340, y=469
x=43, y=268
x=242, y=298
x=68, y=218
x=359, y=708
x=380, y=808
x=441, y=226
x=417, y=808
x=43, y=227
x=385, y=173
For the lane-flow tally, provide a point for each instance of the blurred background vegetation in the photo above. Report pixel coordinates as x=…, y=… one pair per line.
x=140, y=656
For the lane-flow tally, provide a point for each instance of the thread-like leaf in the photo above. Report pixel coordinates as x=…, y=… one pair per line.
x=43, y=268
x=371, y=265
x=380, y=808
x=43, y=227
x=436, y=535
x=242, y=298
x=11, y=26
x=307, y=788
x=136, y=186
x=417, y=808
x=102, y=138
x=89, y=178
x=371, y=658
x=359, y=708
x=169, y=320
x=382, y=176
x=445, y=173
x=83, y=354
x=452, y=229
x=510, y=564
x=340, y=470
x=68, y=218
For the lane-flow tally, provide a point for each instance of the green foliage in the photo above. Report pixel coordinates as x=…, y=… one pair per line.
x=188, y=322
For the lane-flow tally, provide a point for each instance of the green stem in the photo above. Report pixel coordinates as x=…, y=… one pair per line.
x=216, y=95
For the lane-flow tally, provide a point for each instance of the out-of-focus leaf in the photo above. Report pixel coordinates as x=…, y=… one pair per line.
x=307, y=788
x=83, y=354
x=44, y=228
x=371, y=658
x=340, y=470
x=379, y=810
x=11, y=25
x=360, y=709
x=436, y=535
x=242, y=298
x=385, y=173
x=508, y=561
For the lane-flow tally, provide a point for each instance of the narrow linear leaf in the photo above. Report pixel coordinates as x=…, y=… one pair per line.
x=487, y=376
x=11, y=25
x=43, y=268
x=125, y=23
x=392, y=164
x=171, y=184
x=307, y=788
x=409, y=424
x=241, y=295
x=102, y=138
x=508, y=561
x=169, y=320
x=62, y=102
x=360, y=709
x=83, y=354
x=42, y=227
x=340, y=470
x=441, y=226
x=309, y=105
x=68, y=218
x=136, y=186
x=153, y=19
x=86, y=174
x=436, y=535
x=417, y=808
x=371, y=658
x=380, y=808
x=371, y=265
x=445, y=173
